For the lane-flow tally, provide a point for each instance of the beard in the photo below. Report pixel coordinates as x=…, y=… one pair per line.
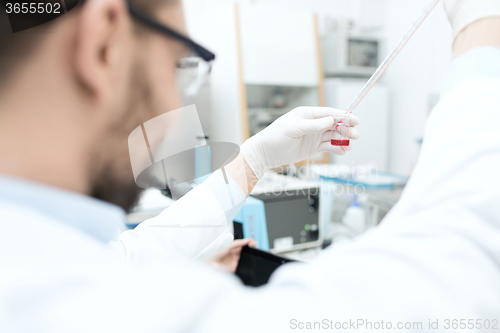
x=116, y=190
x=112, y=178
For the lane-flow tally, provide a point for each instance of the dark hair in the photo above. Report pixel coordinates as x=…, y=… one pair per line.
x=16, y=48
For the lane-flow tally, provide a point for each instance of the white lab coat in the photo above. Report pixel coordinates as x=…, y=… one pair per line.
x=435, y=257
x=191, y=230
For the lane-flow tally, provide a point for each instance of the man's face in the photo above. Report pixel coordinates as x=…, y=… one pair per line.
x=150, y=91
x=159, y=56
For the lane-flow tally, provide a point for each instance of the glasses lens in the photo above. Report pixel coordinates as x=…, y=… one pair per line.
x=192, y=74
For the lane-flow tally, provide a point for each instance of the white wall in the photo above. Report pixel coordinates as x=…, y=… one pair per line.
x=338, y=8
x=343, y=9
x=415, y=75
x=219, y=36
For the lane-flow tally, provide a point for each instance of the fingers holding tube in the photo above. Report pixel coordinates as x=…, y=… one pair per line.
x=337, y=136
x=312, y=126
x=318, y=112
x=353, y=120
x=321, y=112
x=326, y=147
x=348, y=132
x=345, y=131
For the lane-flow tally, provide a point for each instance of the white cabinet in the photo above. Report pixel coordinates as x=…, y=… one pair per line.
x=278, y=46
x=255, y=45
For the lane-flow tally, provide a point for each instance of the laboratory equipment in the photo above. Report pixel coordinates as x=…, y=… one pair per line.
x=251, y=223
x=339, y=127
x=355, y=218
x=339, y=138
x=378, y=203
x=340, y=142
x=292, y=212
x=346, y=54
x=364, y=177
x=279, y=99
x=361, y=197
x=267, y=103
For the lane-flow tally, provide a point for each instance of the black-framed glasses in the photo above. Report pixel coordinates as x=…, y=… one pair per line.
x=192, y=70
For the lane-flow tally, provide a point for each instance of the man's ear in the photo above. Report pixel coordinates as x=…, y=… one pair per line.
x=102, y=46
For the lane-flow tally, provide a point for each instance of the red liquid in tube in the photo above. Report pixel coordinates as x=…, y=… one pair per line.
x=341, y=143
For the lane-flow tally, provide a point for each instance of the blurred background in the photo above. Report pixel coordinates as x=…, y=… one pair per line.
x=275, y=55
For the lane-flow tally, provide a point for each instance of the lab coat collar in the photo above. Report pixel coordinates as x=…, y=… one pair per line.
x=97, y=218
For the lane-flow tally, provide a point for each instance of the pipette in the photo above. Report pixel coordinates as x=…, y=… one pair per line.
x=339, y=126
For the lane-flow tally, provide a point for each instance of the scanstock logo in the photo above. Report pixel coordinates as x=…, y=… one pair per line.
x=26, y=14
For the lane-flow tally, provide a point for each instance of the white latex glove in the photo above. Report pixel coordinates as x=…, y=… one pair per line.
x=461, y=13
x=295, y=136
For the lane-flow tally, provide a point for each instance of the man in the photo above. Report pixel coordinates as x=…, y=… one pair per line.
x=72, y=91
x=433, y=263
x=93, y=76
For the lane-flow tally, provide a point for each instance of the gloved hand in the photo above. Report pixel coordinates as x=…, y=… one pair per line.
x=295, y=136
x=461, y=13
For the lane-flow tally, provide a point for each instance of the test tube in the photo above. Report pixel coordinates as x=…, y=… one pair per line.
x=339, y=131
x=340, y=127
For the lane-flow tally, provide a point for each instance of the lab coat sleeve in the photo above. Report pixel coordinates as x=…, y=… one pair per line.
x=455, y=187
x=192, y=229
